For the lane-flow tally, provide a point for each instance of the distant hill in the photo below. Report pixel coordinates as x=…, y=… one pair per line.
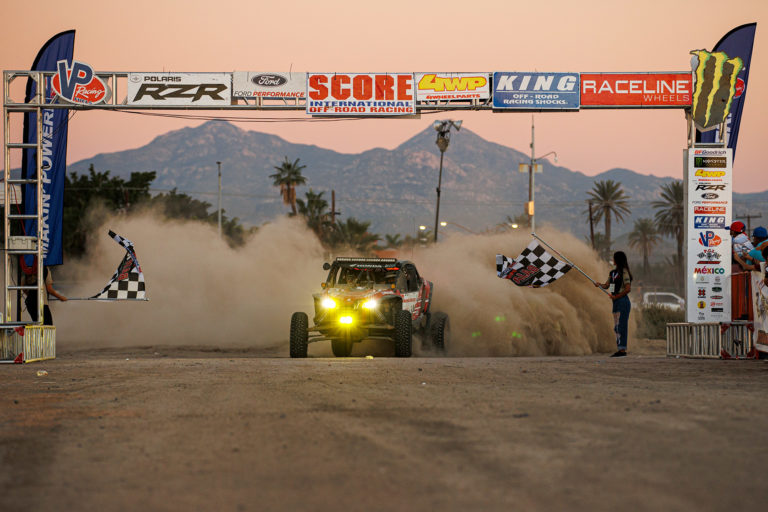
x=395, y=189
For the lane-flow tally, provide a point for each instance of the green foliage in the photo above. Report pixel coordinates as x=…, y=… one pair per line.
x=353, y=234
x=98, y=189
x=287, y=177
x=644, y=237
x=654, y=319
x=609, y=200
x=316, y=214
x=670, y=213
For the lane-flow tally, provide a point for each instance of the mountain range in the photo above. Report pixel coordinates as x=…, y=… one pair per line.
x=394, y=189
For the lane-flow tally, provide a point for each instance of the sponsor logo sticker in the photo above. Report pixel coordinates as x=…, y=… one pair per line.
x=78, y=84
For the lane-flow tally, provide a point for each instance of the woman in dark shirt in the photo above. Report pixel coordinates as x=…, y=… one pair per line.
x=619, y=286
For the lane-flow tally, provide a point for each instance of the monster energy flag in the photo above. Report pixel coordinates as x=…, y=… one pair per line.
x=534, y=267
x=721, y=85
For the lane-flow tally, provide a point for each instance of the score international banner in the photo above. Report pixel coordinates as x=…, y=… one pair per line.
x=360, y=94
x=709, y=213
x=452, y=86
x=648, y=90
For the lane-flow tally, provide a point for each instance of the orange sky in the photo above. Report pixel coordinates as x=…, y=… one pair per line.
x=427, y=35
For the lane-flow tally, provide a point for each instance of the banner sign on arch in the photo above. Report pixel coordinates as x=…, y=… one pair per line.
x=636, y=89
x=248, y=84
x=360, y=94
x=535, y=91
x=180, y=89
x=452, y=86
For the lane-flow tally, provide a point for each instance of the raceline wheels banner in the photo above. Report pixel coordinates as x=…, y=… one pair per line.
x=708, y=269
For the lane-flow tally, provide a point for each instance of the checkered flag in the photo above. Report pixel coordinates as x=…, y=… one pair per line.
x=534, y=267
x=127, y=283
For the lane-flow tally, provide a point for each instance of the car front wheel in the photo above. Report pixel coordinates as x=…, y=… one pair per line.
x=403, y=334
x=299, y=335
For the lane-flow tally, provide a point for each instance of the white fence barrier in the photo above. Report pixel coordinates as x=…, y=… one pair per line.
x=38, y=343
x=708, y=339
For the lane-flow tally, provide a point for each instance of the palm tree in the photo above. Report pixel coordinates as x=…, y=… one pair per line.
x=670, y=214
x=354, y=234
x=393, y=241
x=609, y=200
x=315, y=212
x=288, y=175
x=644, y=237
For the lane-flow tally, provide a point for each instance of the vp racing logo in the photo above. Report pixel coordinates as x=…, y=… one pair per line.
x=78, y=84
x=716, y=79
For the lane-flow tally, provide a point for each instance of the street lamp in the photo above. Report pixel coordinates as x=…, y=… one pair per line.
x=219, y=164
x=443, y=129
x=445, y=223
x=533, y=168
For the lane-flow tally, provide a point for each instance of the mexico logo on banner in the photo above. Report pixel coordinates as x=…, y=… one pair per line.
x=452, y=86
x=636, y=89
x=360, y=94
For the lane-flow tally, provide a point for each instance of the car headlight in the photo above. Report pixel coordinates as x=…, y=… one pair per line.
x=345, y=320
x=328, y=303
x=370, y=304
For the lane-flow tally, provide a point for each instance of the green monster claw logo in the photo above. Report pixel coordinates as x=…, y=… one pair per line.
x=715, y=86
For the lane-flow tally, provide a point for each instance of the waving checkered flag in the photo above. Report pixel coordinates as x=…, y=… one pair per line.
x=534, y=267
x=128, y=281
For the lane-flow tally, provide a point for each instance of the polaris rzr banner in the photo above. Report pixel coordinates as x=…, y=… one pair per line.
x=258, y=84
x=709, y=214
x=736, y=44
x=360, y=94
x=180, y=89
x=54, y=158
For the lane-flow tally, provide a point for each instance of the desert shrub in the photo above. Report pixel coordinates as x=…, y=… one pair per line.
x=654, y=319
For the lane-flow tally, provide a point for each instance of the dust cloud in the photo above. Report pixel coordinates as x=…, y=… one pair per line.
x=204, y=293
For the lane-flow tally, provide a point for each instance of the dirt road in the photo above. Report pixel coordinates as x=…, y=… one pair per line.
x=159, y=428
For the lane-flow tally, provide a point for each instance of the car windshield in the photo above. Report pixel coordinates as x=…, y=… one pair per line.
x=361, y=278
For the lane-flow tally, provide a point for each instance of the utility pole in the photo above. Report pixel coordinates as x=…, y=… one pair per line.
x=531, y=171
x=749, y=221
x=219, y=164
x=334, y=213
x=591, y=226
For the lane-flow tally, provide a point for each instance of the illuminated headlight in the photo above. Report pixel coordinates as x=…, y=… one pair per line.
x=347, y=320
x=328, y=303
x=370, y=304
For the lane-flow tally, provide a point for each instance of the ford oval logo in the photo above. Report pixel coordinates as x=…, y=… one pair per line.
x=269, y=80
x=709, y=196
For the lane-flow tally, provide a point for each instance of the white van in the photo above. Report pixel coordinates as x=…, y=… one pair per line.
x=666, y=299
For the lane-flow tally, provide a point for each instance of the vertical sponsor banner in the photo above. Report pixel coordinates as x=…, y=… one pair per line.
x=709, y=212
x=736, y=44
x=54, y=134
x=760, y=309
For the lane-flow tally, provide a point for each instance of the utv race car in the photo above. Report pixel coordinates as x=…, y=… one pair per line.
x=370, y=298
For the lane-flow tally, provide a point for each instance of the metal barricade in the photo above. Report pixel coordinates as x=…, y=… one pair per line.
x=706, y=340
x=37, y=343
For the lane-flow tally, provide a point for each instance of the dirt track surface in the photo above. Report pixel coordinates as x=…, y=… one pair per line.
x=159, y=428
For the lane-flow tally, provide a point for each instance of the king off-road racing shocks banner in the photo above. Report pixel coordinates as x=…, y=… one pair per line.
x=180, y=89
x=360, y=94
x=248, y=84
x=54, y=134
x=724, y=76
x=709, y=214
x=535, y=91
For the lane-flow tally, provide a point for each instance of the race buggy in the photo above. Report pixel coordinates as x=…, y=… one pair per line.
x=370, y=298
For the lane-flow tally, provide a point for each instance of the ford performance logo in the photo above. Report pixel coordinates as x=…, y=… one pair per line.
x=709, y=195
x=265, y=80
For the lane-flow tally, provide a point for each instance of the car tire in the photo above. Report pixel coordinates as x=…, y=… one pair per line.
x=440, y=330
x=299, y=334
x=341, y=348
x=403, y=334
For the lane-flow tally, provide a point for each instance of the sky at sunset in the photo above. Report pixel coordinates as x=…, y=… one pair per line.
x=397, y=36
